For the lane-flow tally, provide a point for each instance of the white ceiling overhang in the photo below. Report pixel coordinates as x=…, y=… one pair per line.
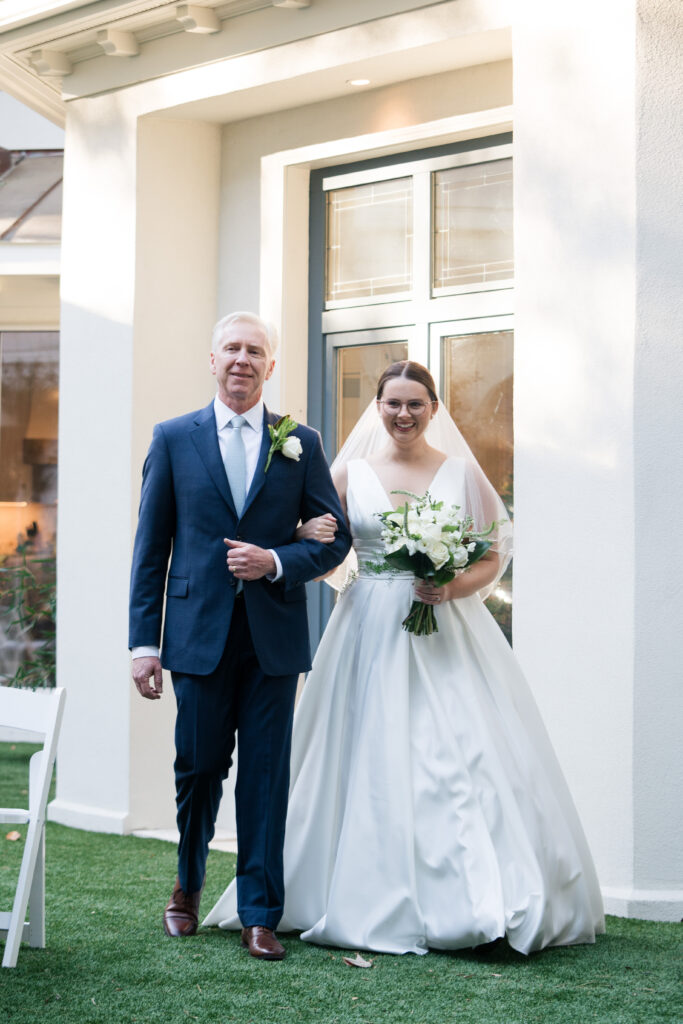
x=54, y=52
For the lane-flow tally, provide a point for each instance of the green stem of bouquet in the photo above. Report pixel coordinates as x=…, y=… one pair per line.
x=421, y=619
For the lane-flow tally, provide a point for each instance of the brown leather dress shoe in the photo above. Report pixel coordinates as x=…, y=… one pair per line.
x=181, y=915
x=262, y=943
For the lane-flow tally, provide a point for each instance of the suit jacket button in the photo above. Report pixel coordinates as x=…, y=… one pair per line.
x=238, y=537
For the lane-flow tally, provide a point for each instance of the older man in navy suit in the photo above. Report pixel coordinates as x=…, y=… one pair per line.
x=235, y=632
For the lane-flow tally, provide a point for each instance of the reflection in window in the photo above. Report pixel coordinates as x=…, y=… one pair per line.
x=369, y=240
x=358, y=370
x=477, y=374
x=29, y=395
x=472, y=225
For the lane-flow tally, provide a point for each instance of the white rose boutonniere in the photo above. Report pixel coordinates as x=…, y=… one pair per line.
x=292, y=449
x=280, y=441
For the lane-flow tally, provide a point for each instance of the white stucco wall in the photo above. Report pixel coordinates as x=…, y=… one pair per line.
x=597, y=412
x=138, y=303
x=658, y=450
x=574, y=338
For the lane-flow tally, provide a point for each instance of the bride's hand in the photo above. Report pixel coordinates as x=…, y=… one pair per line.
x=428, y=593
x=321, y=528
x=464, y=585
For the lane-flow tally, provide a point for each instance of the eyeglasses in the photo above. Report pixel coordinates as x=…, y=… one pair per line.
x=415, y=406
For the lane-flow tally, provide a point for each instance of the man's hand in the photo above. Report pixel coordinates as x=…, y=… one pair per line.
x=248, y=561
x=145, y=669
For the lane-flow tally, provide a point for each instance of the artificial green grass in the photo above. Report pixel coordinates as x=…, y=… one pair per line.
x=107, y=960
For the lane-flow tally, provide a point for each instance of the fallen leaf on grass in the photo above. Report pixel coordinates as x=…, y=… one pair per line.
x=357, y=961
x=13, y=836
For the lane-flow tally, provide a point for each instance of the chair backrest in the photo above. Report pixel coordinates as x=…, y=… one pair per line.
x=29, y=710
x=36, y=712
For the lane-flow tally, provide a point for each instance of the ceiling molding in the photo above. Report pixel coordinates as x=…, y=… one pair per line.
x=202, y=20
x=40, y=94
x=50, y=63
x=82, y=32
x=72, y=33
x=64, y=29
x=117, y=43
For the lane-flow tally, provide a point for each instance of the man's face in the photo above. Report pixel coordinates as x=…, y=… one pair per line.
x=241, y=362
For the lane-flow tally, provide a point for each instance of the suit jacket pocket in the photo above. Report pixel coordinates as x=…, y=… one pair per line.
x=177, y=586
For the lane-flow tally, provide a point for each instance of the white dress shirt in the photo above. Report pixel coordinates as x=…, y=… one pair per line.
x=252, y=435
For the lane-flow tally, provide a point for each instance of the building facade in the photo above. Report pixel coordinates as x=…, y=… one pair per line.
x=353, y=171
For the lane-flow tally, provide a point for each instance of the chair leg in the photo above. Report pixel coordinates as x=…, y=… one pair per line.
x=36, y=899
x=18, y=919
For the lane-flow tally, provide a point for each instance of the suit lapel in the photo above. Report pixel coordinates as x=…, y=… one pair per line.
x=259, y=474
x=205, y=439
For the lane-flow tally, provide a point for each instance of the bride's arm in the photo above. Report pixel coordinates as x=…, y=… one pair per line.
x=321, y=528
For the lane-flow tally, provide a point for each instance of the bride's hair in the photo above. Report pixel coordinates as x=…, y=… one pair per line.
x=411, y=371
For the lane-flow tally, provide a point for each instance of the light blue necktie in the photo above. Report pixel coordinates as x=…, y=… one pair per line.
x=235, y=462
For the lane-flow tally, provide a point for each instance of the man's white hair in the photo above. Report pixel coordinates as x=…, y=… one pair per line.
x=269, y=331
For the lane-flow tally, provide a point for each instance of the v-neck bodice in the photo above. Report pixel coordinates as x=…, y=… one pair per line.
x=366, y=497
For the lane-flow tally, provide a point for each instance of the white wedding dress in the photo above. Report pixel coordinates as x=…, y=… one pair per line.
x=427, y=808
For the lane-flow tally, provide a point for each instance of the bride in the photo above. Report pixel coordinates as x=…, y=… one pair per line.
x=427, y=808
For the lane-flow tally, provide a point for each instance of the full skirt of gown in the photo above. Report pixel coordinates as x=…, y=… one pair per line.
x=427, y=808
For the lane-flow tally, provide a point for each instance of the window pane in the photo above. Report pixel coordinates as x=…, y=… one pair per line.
x=477, y=374
x=369, y=240
x=358, y=370
x=29, y=398
x=473, y=224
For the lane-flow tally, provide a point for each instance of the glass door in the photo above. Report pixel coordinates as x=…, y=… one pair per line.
x=355, y=361
x=412, y=258
x=472, y=364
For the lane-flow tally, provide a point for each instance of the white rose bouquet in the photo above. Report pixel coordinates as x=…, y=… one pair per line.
x=435, y=543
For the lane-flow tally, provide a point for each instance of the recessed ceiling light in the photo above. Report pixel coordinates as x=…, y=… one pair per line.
x=358, y=81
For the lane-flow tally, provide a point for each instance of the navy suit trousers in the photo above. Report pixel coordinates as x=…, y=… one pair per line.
x=237, y=698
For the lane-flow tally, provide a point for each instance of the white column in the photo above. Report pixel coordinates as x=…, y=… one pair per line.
x=658, y=483
x=591, y=431
x=138, y=302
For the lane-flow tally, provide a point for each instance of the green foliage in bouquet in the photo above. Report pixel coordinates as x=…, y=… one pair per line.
x=433, y=542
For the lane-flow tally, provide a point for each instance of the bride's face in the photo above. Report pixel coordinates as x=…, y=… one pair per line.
x=406, y=409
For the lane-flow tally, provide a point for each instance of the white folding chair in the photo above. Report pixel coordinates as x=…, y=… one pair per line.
x=33, y=713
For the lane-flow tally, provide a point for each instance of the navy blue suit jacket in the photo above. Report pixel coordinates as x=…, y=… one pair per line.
x=186, y=509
